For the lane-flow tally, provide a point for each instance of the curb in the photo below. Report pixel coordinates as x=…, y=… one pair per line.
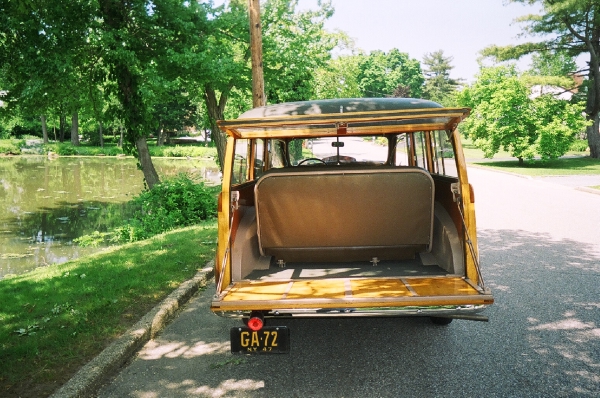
x=90, y=377
x=588, y=190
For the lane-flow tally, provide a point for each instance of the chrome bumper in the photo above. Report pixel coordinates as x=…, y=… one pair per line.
x=468, y=312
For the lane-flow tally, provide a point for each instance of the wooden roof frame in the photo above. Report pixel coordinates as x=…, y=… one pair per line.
x=363, y=116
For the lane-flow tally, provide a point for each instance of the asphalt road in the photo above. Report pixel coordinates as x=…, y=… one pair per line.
x=540, y=253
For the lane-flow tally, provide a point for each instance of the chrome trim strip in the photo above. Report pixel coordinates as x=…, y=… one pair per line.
x=351, y=301
x=464, y=312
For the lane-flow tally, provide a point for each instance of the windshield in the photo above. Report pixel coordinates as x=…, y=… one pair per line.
x=339, y=150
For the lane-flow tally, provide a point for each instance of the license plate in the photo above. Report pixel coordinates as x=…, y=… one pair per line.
x=268, y=340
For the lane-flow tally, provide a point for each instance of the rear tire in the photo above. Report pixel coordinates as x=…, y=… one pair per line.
x=440, y=320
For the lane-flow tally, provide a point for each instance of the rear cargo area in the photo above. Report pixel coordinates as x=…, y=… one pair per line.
x=349, y=286
x=347, y=239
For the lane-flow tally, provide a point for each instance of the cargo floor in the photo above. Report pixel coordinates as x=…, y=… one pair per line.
x=384, y=269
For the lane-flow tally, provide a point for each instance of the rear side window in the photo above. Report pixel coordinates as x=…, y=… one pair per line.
x=443, y=154
x=240, y=163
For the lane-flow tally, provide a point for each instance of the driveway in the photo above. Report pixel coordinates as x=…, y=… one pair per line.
x=540, y=253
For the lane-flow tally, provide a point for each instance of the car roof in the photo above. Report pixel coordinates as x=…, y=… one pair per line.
x=350, y=116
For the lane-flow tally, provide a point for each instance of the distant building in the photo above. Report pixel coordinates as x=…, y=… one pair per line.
x=556, y=91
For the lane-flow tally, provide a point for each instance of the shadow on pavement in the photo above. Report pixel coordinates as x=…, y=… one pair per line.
x=543, y=339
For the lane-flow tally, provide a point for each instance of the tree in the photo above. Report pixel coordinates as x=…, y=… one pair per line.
x=227, y=54
x=439, y=86
x=557, y=123
x=573, y=26
x=380, y=74
x=294, y=46
x=141, y=42
x=67, y=55
x=503, y=116
x=552, y=63
x=42, y=51
x=338, y=79
x=551, y=71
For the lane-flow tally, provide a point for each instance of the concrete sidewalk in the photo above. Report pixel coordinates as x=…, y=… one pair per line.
x=89, y=378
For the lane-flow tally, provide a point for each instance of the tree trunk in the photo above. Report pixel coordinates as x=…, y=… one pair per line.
x=593, y=134
x=150, y=174
x=160, y=136
x=101, y=134
x=593, y=100
x=258, y=82
x=521, y=162
x=44, y=129
x=75, y=129
x=62, y=126
x=215, y=112
x=121, y=129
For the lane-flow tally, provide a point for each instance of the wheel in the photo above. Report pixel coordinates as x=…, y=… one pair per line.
x=310, y=160
x=440, y=320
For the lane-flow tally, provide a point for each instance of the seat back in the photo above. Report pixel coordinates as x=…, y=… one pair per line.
x=344, y=214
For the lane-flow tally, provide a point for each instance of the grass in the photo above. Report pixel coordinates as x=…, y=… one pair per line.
x=14, y=147
x=55, y=319
x=538, y=168
x=472, y=153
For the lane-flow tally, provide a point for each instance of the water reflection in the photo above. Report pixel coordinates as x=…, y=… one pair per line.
x=48, y=203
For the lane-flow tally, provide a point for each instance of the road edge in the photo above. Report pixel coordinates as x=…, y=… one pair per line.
x=90, y=377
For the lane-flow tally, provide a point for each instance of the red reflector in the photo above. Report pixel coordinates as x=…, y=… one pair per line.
x=255, y=323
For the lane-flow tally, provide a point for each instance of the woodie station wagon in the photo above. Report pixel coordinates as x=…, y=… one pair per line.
x=347, y=207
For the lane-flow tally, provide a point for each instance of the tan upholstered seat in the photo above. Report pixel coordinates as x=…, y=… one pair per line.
x=344, y=213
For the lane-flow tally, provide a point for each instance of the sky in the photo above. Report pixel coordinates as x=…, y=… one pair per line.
x=461, y=28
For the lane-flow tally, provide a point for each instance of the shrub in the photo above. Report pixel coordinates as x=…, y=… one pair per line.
x=178, y=151
x=579, y=146
x=66, y=149
x=174, y=203
x=11, y=147
x=4, y=133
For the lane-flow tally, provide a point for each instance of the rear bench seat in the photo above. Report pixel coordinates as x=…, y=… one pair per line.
x=335, y=214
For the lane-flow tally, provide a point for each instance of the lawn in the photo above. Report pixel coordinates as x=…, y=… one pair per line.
x=537, y=168
x=55, y=319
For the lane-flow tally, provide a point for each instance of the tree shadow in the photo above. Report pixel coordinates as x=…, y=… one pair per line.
x=543, y=339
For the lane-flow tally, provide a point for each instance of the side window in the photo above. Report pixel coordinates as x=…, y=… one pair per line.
x=420, y=151
x=443, y=154
x=259, y=157
x=402, y=150
x=276, y=153
x=240, y=162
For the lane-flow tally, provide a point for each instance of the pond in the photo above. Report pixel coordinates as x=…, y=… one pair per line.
x=48, y=203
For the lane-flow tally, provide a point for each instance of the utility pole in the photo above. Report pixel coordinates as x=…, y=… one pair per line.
x=258, y=82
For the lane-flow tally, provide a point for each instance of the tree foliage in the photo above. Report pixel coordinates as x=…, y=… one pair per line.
x=439, y=86
x=573, y=27
x=504, y=117
x=338, y=79
x=383, y=74
x=143, y=43
x=88, y=54
x=295, y=45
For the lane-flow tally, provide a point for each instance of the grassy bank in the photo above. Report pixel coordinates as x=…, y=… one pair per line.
x=55, y=319
x=538, y=168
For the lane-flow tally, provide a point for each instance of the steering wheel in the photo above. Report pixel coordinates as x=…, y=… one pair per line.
x=311, y=159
